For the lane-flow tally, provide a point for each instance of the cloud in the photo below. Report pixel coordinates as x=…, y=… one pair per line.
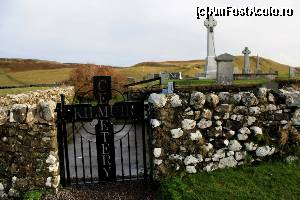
x=123, y=33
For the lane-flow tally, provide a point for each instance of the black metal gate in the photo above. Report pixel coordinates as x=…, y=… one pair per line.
x=100, y=142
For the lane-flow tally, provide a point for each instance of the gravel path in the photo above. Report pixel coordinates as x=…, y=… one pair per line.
x=140, y=190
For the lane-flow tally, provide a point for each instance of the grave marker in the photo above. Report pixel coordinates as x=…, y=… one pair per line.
x=225, y=69
x=246, y=67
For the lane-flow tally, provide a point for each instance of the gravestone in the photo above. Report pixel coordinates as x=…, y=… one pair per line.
x=225, y=69
x=211, y=64
x=258, y=68
x=164, y=76
x=246, y=67
x=175, y=75
x=292, y=72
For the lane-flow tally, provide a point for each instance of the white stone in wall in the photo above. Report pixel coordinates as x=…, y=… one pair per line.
x=207, y=114
x=212, y=99
x=271, y=107
x=18, y=113
x=46, y=110
x=250, y=146
x=271, y=98
x=254, y=110
x=226, y=116
x=199, y=157
x=48, y=182
x=3, y=116
x=234, y=145
x=176, y=133
x=157, y=152
x=244, y=130
x=296, y=117
x=197, y=100
x=224, y=97
x=13, y=192
x=220, y=153
x=196, y=136
x=230, y=153
x=226, y=142
x=209, y=167
x=157, y=161
x=190, y=160
x=239, y=118
x=54, y=167
x=175, y=101
x=176, y=157
x=283, y=122
x=188, y=111
x=237, y=98
x=158, y=100
x=207, y=159
x=240, y=155
x=231, y=132
x=218, y=123
x=262, y=93
x=250, y=120
x=278, y=111
x=256, y=130
x=191, y=169
x=264, y=151
x=188, y=124
x=182, y=148
x=216, y=117
x=249, y=99
x=242, y=136
x=227, y=162
x=207, y=147
x=155, y=123
x=203, y=123
x=51, y=160
x=233, y=117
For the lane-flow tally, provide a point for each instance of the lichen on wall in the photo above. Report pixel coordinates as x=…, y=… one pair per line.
x=28, y=141
x=195, y=132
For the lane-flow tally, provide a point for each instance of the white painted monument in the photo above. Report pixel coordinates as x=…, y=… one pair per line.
x=246, y=68
x=211, y=64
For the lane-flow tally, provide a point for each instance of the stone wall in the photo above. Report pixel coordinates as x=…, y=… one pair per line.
x=202, y=132
x=28, y=143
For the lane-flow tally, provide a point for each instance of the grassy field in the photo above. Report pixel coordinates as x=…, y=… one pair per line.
x=276, y=180
x=28, y=71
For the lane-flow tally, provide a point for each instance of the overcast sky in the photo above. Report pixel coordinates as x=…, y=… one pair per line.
x=125, y=32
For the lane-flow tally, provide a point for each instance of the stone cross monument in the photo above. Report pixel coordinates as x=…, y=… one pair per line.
x=258, y=68
x=246, y=68
x=211, y=64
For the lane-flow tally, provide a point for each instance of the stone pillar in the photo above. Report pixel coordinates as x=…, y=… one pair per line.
x=211, y=65
x=258, y=68
x=292, y=72
x=225, y=69
x=246, y=68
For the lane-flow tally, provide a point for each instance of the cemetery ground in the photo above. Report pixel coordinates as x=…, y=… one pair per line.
x=270, y=180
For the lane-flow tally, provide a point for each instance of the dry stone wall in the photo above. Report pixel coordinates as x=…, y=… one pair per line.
x=202, y=132
x=28, y=143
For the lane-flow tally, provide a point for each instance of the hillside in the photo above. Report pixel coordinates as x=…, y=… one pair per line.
x=192, y=67
x=30, y=71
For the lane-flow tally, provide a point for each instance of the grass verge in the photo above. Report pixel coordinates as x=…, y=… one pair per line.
x=274, y=180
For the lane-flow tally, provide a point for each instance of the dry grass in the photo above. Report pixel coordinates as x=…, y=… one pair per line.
x=18, y=71
x=41, y=76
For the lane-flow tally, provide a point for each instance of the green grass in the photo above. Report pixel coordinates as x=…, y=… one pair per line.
x=4, y=92
x=276, y=180
x=33, y=195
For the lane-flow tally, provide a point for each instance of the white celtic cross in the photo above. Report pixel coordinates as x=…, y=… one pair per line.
x=210, y=23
